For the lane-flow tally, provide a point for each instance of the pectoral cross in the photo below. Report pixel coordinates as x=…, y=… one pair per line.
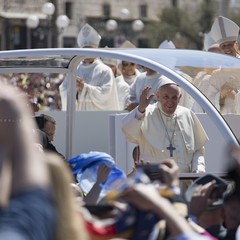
x=170, y=149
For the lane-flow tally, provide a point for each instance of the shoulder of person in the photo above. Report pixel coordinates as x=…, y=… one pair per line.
x=151, y=108
x=141, y=75
x=181, y=109
x=104, y=68
x=137, y=72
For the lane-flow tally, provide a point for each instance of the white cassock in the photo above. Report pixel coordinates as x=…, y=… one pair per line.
x=99, y=92
x=201, y=81
x=229, y=79
x=143, y=81
x=148, y=131
x=186, y=100
x=123, y=92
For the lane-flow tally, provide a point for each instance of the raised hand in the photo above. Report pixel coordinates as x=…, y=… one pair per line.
x=145, y=99
x=103, y=172
x=79, y=84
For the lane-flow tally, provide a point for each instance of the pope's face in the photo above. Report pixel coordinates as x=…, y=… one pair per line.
x=168, y=97
x=230, y=48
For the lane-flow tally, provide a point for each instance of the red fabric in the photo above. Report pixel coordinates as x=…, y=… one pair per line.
x=102, y=231
x=205, y=233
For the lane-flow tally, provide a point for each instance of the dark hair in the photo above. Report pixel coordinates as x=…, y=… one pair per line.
x=42, y=119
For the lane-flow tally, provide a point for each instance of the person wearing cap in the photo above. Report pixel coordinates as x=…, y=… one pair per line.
x=201, y=80
x=96, y=88
x=186, y=99
x=129, y=69
x=166, y=130
x=225, y=84
x=225, y=32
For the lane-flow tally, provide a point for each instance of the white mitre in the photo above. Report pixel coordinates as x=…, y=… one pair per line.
x=208, y=41
x=88, y=37
x=224, y=30
x=110, y=61
x=170, y=62
x=127, y=44
x=167, y=44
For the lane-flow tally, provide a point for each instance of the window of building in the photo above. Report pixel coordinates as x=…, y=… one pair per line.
x=143, y=10
x=69, y=9
x=69, y=42
x=20, y=1
x=106, y=10
x=174, y=3
x=143, y=43
x=107, y=42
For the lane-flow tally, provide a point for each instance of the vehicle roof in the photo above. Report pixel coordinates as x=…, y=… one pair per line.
x=167, y=61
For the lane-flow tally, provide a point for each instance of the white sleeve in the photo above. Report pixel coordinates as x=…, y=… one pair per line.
x=131, y=126
x=198, y=162
x=63, y=93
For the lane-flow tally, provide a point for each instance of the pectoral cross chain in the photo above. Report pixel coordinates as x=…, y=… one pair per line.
x=171, y=148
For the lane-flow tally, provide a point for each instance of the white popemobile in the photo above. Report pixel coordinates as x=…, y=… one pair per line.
x=83, y=131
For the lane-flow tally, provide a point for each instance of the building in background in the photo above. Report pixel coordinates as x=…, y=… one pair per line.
x=27, y=24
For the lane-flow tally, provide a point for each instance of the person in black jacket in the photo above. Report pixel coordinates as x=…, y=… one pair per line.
x=46, y=131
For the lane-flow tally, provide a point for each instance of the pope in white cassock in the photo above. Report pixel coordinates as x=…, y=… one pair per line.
x=224, y=90
x=96, y=88
x=166, y=130
x=186, y=99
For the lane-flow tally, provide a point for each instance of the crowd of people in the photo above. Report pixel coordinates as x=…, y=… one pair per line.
x=90, y=198
x=45, y=196
x=42, y=89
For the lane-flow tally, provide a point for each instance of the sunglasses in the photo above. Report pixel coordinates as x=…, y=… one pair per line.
x=128, y=64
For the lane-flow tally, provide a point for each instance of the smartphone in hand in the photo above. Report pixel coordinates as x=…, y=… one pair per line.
x=152, y=170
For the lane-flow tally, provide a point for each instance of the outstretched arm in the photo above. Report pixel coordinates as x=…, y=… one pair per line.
x=102, y=175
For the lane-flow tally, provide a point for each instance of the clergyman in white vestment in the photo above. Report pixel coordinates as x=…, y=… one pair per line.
x=225, y=83
x=96, y=88
x=166, y=130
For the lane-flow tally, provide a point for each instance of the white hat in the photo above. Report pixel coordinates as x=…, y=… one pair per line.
x=169, y=62
x=166, y=81
x=224, y=30
x=110, y=61
x=127, y=44
x=167, y=44
x=208, y=41
x=88, y=37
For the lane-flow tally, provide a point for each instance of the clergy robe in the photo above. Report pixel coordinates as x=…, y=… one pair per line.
x=186, y=100
x=201, y=81
x=228, y=78
x=123, y=92
x=148, y=131
x=99, y=92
